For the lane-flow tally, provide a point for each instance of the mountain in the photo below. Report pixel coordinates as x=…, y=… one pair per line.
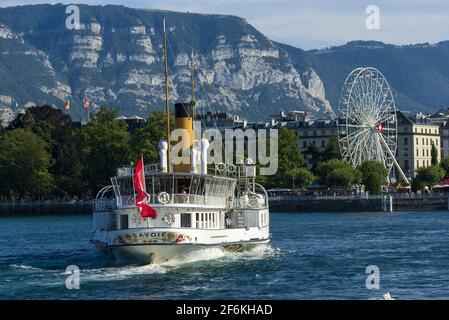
x=116, y=58
x=418, y=74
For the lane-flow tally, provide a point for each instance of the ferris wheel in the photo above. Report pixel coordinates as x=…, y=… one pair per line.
x=367, y=120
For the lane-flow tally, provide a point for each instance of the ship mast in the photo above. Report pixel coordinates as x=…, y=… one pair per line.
x=193, y=87
x=167, y=111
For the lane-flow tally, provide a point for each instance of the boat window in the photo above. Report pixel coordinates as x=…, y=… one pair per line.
x=182, y=185
x=123, y=221
x=126, y=186
x=197, y=220
x=195, y=185
x=163, y=183
x=186, y=220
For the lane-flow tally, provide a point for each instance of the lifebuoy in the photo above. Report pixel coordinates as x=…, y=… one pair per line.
x=169, y=219
x=229, y=202
x=254, y=200
x=231, y=168
x=221, y=167
x=163, y=197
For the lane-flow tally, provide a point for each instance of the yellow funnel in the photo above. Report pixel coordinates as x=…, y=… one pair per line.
x=184, y=120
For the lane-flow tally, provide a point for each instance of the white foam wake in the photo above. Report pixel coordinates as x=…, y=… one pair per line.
x=24, y=267
x=125, y=272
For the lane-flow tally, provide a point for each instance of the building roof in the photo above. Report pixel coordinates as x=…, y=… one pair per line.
x=135, y=117
x=442, y=113
x=318, y=124
x=408, y=117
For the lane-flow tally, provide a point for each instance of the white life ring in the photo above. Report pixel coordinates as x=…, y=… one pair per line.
x=221, y=167
x=229, y=202
x=169, y=219
x=163, y=197
x=230, y=168
x=255, y=200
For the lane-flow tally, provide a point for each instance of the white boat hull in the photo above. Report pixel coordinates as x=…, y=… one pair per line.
x=179, y=253
x=165, y=245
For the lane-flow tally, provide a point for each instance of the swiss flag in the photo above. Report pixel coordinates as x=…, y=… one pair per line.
x=379, y=127
x=86, y=104
x=146, y=211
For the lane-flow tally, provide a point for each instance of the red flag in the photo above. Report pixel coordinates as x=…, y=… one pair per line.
x=86, y=104
x=379, y=127
x=141, y=200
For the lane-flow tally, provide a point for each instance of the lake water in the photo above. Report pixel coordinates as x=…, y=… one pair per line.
x=313, y=256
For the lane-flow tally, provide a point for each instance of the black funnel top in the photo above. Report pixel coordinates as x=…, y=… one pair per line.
x=183, y=110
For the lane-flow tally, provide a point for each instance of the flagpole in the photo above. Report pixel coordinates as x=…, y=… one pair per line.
x=145, y=187
x=134, y=176
x=144, y=180
x=167, y=113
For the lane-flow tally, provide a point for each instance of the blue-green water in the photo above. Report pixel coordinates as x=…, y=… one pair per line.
x=314, y=256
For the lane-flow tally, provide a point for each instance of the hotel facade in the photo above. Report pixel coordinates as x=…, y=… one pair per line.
x=416, y=136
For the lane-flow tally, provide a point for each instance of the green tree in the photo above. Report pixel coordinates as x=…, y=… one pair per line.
x=313, y=155
x=341, y=177
x=444, y=164
x=430, y=175
x=332, y=150
x=145, y=140
x=107, y=147
x=289, y=158
x=69, y=170
x=374, y=175
x=417, y=185
x=24, y=165
x=301, y=177
x=62, y=141
x=324, y=168
x=434, y=154
x=338, y=173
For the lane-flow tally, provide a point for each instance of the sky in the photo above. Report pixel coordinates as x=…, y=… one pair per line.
x=315, y=24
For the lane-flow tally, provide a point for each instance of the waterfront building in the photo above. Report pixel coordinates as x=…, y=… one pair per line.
x=134, y=122
x=219, y=120
x=313, y=133
x=416, y=135
x=444, y=136
x=441, y=117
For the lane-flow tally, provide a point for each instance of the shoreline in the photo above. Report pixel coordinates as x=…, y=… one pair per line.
x=56, y=208
x=299, y=204
x=359, y=203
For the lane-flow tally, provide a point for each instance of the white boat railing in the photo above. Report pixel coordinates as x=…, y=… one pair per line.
x=195, y=199
x=192, y=199
x=103, y=202
x=220, y=169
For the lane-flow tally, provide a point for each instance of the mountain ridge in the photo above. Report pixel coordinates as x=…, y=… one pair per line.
x=116, y=59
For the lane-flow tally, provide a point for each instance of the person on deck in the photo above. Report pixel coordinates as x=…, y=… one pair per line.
x=228, y=222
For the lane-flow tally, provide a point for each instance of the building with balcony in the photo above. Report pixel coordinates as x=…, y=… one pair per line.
x=416, y=135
